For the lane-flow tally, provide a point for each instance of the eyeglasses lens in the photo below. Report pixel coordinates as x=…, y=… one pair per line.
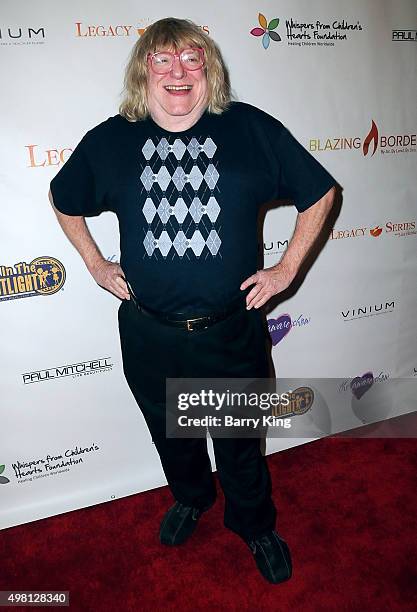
x=191, y=59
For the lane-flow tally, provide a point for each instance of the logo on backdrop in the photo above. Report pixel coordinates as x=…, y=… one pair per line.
x=306, y=33
x=300, y=401
x=371, y=397
x=404, y=35
x=48, y=157
x=114, y=30
x=3, y=479
x=359, y=385
x=320, y=33
x=52, y=464
x=22, y=35
x=266, y=30
x=42, y=276
x=376, y=231
x=368, y=145
x=281, y=326
x=272, y=247
x=400, y=229
x=360, y=312
x=83, y=368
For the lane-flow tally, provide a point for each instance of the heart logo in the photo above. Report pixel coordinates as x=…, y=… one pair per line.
x=361, y=384
x=279, y=328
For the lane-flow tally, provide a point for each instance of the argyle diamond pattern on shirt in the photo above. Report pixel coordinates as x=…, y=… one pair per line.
x=179, y=178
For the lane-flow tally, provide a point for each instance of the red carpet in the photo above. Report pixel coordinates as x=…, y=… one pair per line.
x=347, y=508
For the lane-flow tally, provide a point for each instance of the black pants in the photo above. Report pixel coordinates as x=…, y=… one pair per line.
x=235, y=347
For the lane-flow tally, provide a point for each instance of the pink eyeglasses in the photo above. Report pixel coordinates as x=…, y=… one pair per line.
x=191, y=59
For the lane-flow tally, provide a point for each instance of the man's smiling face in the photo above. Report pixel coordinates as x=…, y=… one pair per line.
x=178, y=93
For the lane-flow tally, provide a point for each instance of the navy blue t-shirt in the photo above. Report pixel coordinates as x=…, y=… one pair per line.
x=187, y=202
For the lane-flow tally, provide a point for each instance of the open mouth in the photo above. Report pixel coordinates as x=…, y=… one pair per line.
x=178, y=89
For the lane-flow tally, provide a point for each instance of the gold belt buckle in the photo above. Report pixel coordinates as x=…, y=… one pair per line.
x=190, y=322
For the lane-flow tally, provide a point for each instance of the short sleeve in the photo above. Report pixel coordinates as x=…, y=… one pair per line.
x=302, y=178
x=75, y=190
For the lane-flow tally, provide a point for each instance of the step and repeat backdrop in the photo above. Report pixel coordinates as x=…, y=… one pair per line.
x=342, y=77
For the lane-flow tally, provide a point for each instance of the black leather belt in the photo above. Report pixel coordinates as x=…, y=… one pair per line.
x=177, y=320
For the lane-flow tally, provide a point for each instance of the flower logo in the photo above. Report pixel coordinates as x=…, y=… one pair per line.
x=266, y=30
x=3, y=479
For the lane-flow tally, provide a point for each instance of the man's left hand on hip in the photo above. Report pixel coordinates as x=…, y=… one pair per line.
x=266, y=283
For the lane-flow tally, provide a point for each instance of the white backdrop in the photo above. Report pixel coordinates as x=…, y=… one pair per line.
x=71, y=432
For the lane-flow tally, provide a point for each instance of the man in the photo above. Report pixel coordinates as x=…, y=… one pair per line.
x=186, y=170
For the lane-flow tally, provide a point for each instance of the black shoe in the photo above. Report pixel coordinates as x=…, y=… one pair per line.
x=272, y=556
x=179, y=523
